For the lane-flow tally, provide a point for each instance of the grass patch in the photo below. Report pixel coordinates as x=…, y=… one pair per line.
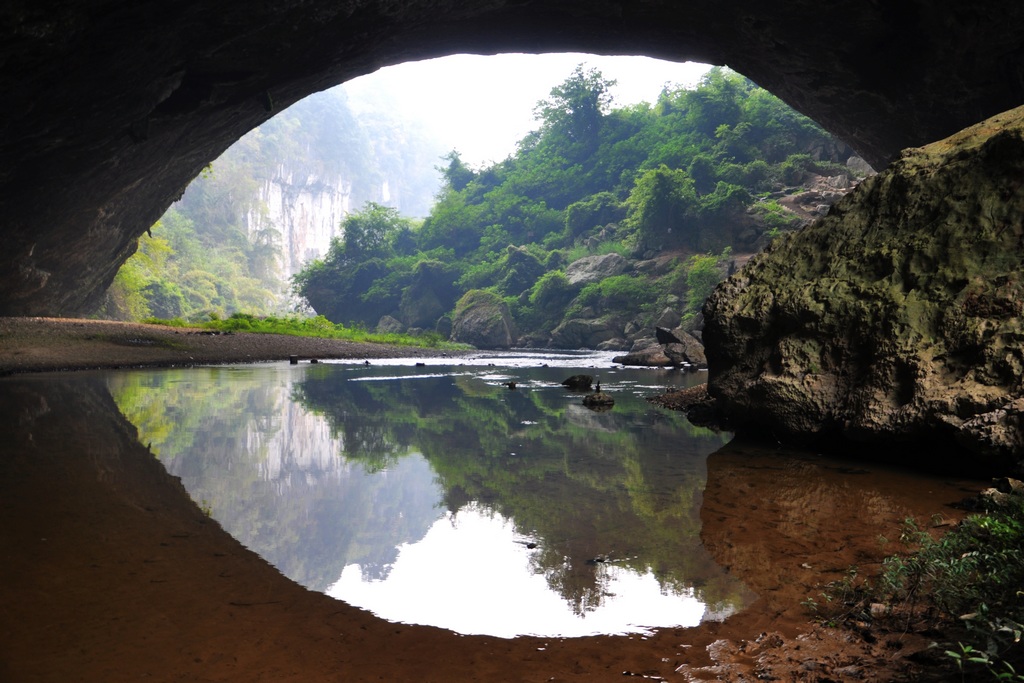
x=317, y=326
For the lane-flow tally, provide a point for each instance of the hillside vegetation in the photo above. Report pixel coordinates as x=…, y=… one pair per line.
x=605, y=222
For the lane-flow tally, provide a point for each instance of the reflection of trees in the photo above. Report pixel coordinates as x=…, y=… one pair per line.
x=581, y=584
x=621, y=488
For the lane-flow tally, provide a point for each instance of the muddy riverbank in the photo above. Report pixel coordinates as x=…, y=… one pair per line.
x=112, y=572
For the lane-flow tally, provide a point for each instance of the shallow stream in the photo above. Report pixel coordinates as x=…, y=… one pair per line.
x=432, y=493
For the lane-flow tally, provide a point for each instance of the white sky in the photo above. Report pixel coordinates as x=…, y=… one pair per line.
x=482, y=106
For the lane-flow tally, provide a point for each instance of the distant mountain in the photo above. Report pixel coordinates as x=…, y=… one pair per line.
x=316, y=162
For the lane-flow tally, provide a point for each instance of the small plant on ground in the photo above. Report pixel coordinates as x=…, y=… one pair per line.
x=703, y=273
x=970, y=581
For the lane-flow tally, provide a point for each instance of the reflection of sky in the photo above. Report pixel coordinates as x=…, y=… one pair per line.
x=470, y=574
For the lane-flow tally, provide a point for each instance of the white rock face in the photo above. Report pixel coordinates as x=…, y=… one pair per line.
x=305, y=211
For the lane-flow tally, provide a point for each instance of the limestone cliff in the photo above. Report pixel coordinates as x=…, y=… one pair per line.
x=895, y=318
x=305, y=211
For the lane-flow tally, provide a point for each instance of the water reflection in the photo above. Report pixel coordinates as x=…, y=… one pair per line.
x=474, y=558
x=383, y=485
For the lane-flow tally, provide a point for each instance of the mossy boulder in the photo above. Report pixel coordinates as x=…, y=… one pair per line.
x=897, y=317
x=431, y=293
x=482, y=319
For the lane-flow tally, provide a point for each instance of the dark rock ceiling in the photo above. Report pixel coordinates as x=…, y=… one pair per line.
x=109, y=108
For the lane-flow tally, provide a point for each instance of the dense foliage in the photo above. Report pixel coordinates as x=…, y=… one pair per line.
x=690, y=175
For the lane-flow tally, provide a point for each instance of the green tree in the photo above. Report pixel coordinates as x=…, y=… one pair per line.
x=575, y=109
x=661, y=207
x=680, y=175
x=369, y=233
x=591, y=212
x=456, y=174
x=703, y=273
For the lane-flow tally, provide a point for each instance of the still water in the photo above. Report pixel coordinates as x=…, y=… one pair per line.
x=436, y=495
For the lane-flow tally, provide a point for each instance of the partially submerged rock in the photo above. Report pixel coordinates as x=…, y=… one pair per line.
x=578, y=382
x=652, y=356
x=687, y=351
x=598, y=400
x=677, y=348
x=897, y=317
x=694, y=402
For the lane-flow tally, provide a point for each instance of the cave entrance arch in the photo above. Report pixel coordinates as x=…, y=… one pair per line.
x=110, y=109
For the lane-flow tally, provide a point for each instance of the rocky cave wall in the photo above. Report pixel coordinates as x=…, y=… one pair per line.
x=109, y=109
x=896, y=319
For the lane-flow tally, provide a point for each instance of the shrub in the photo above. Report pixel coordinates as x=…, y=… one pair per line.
x=703, y=273
x=970, y=578
x=622, y=292
x=594, y=211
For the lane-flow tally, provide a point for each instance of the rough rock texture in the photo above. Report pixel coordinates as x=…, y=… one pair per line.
x=595, y=268
x=109, y=108
x=429, y=296
x=652, y=356
x=579, y=333
x=483, y=320
x=389, y=325
x=679, y=348
x=688, y=350
x=896, y=317
x=306, y=210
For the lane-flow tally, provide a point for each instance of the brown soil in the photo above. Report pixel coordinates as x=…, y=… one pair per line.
x=41, y=344
x=111, y=573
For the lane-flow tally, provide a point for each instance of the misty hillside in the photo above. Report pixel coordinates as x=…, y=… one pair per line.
x=269, y=204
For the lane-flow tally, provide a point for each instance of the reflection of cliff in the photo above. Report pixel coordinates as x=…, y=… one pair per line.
x=294, y=443
x=274, y=475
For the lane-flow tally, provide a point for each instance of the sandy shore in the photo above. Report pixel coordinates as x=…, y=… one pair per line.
x=46, y=344
x=111, y=572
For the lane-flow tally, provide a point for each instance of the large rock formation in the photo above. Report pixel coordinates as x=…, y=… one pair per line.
x=483, y=320
x=895, y=318
x=109, y=109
